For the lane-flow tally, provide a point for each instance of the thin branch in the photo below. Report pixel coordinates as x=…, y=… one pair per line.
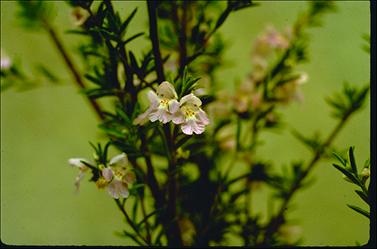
x=153, y=31
x=276, y=221
x=121, y=208
x=69, y=62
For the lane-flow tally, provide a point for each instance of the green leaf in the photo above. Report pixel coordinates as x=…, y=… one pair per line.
x=352, y=160
x=362, y=195
x=347, y=174
x=48, y=74
x=127, y=21
x=147, y=217
x=360, y=210
x=132, y=38
x=341, y=159
x=133, y=237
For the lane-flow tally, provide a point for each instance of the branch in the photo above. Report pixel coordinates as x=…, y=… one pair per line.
x=153, y=31
x=121, y=208
x=276, y=221
x=68, y=61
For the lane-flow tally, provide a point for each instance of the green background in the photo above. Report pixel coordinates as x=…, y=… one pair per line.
x=43, y=127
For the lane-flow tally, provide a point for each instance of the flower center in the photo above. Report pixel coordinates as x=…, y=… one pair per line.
x=119, y=173
x=164, y=103
x=189, y=112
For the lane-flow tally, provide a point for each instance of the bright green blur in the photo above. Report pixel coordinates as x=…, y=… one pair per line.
x=42, y=128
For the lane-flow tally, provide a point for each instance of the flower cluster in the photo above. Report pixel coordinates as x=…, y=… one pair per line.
x=165, y=107
x=266, y=44
x=115, y=177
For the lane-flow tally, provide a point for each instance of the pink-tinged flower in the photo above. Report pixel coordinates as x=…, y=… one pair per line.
x=79, y=16
x=117, y=177
x=271, y=39
x=6, y=62
x=78, y=162
x=190, y=116
x=163, y=104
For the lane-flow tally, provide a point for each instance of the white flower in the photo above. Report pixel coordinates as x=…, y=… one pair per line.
x=117, y=177
x=79, y=16
x=6, y=62
x=191, y=117
x=78, y=162
x=163, y=104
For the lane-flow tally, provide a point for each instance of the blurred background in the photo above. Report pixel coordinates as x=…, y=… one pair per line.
x=43, y=127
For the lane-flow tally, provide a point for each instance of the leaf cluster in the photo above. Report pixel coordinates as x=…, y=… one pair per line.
x=352, y=174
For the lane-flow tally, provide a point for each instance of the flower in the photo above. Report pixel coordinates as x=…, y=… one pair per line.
x=78, y=162
x=191, y=117
x=6, y=62
x=163, y=103
x=116, y=177
x=79, y=16
x=270, y=40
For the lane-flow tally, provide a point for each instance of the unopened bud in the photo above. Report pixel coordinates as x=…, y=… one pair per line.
x=365, y=174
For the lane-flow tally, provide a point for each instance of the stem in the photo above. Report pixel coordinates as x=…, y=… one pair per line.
x=153, y=31
x=121, y=208
x=276, y=221
x=180, y=27
x=172, y=190
x=147, y=227
x=68, y=61
x=171, y=225
x=151, y=178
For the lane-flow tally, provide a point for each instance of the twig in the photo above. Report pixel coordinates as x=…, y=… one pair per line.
x=276, y=221
x=68, y=61
x=121, y=208
x=153, y=31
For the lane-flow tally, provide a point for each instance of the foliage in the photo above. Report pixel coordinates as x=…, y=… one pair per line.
x=177, y=72
x=352, y=174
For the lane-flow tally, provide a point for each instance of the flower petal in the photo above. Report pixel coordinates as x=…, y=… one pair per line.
x=120, y=160
x=117, y=189
x=112, y=190
x=198, y=129
x=189, y=126
x=173, y=105
x=123, y=190
x=153, y=98
x=178, y=118
x=166, y=90
x=190, y=99
x=77, y=162
x=161, y=115
x=107, y=173
x=203, y=118
x=143, y=118
x=78, y=179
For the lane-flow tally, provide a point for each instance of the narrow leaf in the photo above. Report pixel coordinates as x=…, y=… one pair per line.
x=347, y=174
x=352, y=160
x=360, y=210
